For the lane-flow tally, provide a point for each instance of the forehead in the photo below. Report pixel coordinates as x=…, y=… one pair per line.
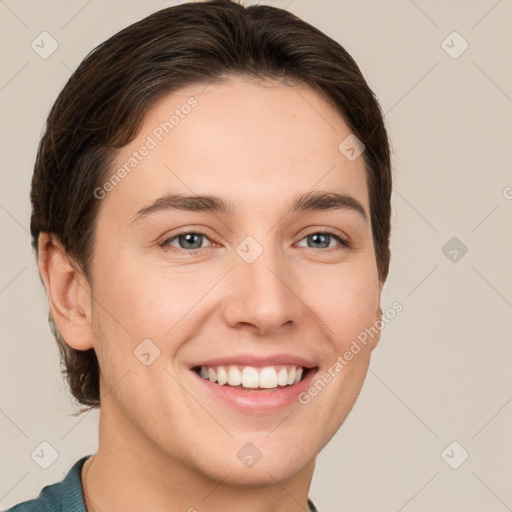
x=255, y=143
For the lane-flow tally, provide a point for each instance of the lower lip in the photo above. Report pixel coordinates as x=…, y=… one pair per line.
x=258, y=402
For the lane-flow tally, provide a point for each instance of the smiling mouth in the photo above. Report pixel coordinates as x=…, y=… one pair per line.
x=253, y=378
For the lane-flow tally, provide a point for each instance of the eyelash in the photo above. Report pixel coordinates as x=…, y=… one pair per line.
x=165, y=244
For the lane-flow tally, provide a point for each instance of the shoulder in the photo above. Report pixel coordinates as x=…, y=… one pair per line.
x=38, y=504
x=65, y=495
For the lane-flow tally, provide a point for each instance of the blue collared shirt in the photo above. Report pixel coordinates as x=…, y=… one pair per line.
x=63, y=496
x=66, y=495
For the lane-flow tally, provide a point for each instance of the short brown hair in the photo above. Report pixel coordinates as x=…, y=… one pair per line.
x=101, y=108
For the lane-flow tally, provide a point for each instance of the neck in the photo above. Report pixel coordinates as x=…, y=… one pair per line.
x=130, y=473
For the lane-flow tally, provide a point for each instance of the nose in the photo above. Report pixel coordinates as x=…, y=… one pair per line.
x=262, y=295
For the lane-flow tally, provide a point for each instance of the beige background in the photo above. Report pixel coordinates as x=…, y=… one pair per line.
x=442, y=371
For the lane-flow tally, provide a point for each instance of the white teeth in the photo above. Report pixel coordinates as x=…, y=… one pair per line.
x=212, y=374
x=234, y=376
x=251, y=377
x=282, y=377
x=268, y=377
x=222, y=375
x=291, y=376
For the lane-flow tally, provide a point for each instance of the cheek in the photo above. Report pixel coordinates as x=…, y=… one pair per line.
x=346, y=301
x=150, y=300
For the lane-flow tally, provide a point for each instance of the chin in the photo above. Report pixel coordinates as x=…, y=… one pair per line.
x=246, y=468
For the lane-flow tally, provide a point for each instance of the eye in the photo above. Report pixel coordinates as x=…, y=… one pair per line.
x=192, y=241
x=189, y=241
x=322, y=239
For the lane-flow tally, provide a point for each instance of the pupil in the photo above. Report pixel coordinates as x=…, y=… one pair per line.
x=189, y=239
x=317, y=238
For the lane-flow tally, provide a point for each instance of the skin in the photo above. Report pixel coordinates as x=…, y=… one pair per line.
x=164, y=443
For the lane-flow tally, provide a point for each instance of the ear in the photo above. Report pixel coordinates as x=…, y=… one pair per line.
x=68, y=291
x=378, y=320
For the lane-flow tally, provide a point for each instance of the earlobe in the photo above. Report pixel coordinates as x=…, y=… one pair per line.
x=68, y=293
x=378, y=324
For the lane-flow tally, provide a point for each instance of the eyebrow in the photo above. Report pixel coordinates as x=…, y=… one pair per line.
x=310, y=201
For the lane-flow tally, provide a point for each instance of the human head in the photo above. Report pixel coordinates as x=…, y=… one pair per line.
x=104, y=104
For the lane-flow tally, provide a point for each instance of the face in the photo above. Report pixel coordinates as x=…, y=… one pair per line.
x=260, y=288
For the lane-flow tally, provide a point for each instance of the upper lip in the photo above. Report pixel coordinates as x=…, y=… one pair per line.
x=257, y=360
